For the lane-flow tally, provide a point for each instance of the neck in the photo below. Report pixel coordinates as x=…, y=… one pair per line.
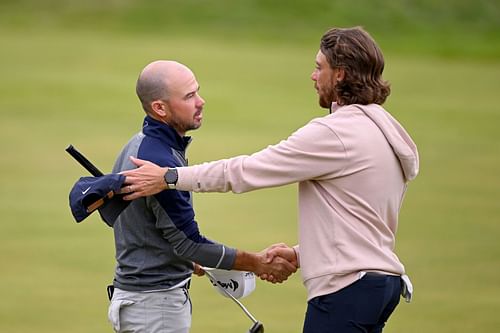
x=161, y=120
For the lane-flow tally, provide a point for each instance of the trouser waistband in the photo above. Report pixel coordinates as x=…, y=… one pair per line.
x=111, y=289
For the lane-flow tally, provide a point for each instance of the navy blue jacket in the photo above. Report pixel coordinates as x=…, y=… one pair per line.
x=157, y=238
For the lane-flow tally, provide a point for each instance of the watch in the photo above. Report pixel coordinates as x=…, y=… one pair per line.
x=171, y=177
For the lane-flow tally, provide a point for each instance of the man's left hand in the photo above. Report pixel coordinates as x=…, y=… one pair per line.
x=144, y=181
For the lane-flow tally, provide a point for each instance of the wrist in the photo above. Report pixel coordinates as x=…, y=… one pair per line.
x=297, y=254
x=170, y=178
x=246, y=261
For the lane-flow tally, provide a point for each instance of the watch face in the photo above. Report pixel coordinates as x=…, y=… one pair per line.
x=171, y=176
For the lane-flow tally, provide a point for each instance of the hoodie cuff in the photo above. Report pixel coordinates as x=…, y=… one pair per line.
x=185, y=179
x=296, y=250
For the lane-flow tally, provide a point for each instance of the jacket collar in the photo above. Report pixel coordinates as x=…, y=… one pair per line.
x=165, y=133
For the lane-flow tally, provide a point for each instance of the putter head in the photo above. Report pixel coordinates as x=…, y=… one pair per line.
x=257, y=328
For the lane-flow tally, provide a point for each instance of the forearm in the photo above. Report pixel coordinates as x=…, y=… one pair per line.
x=246, y=261
x=238, y=174
x=209, y=255
x=311, y=152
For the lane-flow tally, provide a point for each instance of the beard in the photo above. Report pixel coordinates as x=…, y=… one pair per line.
x=327, y=96
x=190, y=126
x=183, y=126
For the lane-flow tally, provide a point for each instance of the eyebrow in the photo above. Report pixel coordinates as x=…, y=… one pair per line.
x=192, y=92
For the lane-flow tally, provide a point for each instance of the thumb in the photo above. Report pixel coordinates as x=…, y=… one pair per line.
x=138, y=162
x=269, y=256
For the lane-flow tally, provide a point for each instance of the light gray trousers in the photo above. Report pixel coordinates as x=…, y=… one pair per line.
x=150, y=312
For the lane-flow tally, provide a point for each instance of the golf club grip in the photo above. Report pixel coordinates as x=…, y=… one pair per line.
x=84, y=161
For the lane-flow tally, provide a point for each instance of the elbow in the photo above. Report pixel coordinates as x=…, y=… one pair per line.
x=184, y=250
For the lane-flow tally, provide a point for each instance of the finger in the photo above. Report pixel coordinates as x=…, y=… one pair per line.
x=127, y=173
x=133, y=181
x=138, y=162
x=272, y=251
x=124, y=190
x=278, y=252
x=130, y=177
x=133, y=196
x=277, y=280
x=287, y=267
x=278, y=245
x=286, y=253
x=268, y=257
x=198, y=270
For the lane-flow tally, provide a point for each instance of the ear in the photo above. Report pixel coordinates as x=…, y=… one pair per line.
x=159, y=108
x=339, y=74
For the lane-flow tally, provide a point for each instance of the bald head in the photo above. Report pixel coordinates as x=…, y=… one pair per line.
x=157, y=79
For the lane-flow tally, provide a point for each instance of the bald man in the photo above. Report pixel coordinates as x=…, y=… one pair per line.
x=157, y=239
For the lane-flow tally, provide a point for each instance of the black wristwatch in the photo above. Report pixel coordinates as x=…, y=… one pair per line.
x=171, y=177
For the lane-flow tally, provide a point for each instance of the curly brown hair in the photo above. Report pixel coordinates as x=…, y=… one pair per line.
x=354, y=50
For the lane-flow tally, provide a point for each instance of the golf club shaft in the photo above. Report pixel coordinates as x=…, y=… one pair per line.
x=94, y=171
x=252, y=318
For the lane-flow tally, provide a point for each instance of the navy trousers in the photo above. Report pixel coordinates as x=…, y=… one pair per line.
x=362, y=307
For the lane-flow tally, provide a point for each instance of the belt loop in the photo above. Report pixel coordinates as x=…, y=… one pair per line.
x=111, y=290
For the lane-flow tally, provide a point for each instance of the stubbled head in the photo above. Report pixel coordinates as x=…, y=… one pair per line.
x=349, y=67
x=168, y=92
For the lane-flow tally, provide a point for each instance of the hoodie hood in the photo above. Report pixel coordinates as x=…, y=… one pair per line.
x=400, y=141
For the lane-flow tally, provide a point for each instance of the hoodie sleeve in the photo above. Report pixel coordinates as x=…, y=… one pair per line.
x=311, y=152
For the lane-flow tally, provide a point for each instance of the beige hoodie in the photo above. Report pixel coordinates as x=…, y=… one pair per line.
x=352, y=167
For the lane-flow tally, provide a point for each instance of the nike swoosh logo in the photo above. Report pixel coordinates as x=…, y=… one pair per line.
x=83, y=192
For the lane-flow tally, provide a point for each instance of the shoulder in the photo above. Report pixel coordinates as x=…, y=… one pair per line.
x=345, y=119
x=157, y=152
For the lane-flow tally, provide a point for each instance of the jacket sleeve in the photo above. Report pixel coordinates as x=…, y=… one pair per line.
x=175, y=218
x=312, y=152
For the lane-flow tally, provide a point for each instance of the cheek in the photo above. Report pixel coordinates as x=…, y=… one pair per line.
x=320, y=79
x=189, y=109
x=184, y=107
x=326, y=82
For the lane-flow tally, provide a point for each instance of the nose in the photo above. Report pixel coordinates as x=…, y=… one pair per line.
x=201, y=101
x=314, y=76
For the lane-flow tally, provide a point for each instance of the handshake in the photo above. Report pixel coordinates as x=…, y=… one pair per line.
x=273, y=264
x=277, y=263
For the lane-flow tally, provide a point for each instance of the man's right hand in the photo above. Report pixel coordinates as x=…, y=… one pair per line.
x=278, y=252
x=276, y=270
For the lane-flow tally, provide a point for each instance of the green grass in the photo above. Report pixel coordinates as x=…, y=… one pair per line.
x=461, y=28
x=63, y=83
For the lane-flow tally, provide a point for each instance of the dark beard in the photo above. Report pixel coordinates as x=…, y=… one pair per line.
x=181, y=127
x=326, y=99
x=328, y=95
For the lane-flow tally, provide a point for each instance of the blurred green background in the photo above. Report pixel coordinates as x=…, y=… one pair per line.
x=68, y=72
